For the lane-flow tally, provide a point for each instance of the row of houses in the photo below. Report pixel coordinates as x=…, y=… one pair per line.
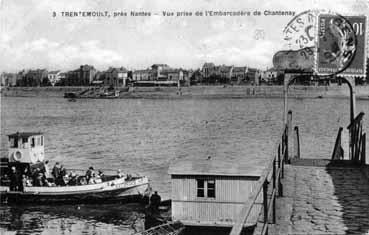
x=226, y=73
x=88, y=75
x=120, y=76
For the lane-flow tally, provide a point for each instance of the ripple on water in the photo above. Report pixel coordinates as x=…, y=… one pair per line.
x=145, y=136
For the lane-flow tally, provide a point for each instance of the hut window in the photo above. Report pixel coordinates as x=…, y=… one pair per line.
x=206, y=188
x=33, y=142
x=42, y=140
x=211, y=188
x=24, y=140
x=200, y=188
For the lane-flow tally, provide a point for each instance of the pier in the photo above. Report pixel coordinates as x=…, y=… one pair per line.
x=325, y=195
x=313, y=196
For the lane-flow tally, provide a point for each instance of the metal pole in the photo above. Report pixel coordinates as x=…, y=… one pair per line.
x=351, y=84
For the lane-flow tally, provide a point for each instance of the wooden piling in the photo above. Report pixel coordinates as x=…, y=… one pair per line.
x=296, y=144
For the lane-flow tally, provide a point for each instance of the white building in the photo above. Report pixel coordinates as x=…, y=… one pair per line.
x=54, y=77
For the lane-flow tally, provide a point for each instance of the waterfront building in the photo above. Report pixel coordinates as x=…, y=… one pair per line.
x=156, y=72
x=225, y=72
x=142, y=75
x=212, y=192
x=239, y=74
x=36, y=77
x=87, y=74
x=208, y=69
x=254, y=75
x=269, y=76
x=54, y=77
x=83, y=76
x=172, y=75
x=8, y=79
x=116, y=77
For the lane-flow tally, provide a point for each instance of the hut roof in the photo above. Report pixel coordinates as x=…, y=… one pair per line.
x=215, y=168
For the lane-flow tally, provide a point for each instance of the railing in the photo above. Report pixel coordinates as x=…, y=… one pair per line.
x=338, y=150
x=276, y=168
x=357, y=140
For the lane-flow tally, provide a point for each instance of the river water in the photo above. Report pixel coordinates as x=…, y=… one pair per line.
x=145, y=135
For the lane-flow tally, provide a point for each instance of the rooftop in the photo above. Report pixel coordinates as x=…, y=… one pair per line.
x=54, y=72
x=24, y=134
x=121, y=70
x=214, y=167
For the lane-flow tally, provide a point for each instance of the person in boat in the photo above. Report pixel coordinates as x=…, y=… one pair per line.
x=62, y=173
x=120, y=174
x=98, y=179
x=89, y=173
x=37, y=181
x=73, y=179
x=14, y=179
x=155, y=200
x=101, y=175
x=35, y=177
x=56, y=171
x=81, y=180
x=46, y=169
x=24, y=183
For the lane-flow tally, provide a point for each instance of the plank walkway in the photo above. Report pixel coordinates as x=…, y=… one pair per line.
x=322, y=199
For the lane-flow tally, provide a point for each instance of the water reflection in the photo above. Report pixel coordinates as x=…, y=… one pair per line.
x=73, y=219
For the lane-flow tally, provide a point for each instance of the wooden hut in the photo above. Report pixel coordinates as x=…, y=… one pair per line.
x=212, y=192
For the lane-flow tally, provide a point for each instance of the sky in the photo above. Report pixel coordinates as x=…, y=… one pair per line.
x=33, y=37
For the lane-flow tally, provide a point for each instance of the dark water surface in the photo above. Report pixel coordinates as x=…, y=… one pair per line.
x=144, y=136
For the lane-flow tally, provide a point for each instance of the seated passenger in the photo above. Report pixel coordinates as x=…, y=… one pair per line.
x=81, y=180
x=38, y=180
x=63, y=171
x=72, y=179
x=98, y=179
x=92, y=179
x=102, y=175
x=120, y=174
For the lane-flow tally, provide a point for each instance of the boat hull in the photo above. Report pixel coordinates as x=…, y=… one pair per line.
x=112, y=191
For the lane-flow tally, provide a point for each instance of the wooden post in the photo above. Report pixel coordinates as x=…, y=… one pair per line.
x=265, y=200
x=274, y=189
x=274, y=210
x=296, y=143
x=351, y=83
x=280, y=187
x=279, y=156
x=285, y=96
x=363, y=154
x=289, y=136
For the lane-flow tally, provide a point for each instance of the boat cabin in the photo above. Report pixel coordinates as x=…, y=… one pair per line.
x=212, y=192
x=26, y=147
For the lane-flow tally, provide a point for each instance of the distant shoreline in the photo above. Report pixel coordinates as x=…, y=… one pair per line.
x=215, y=91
